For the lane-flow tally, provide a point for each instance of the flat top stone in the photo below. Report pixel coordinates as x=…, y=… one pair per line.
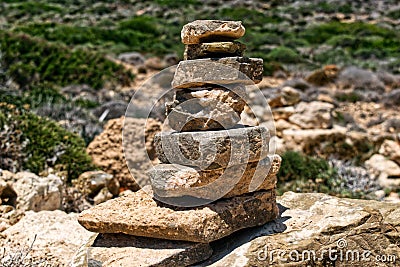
x=140, y=214
x=200, y=31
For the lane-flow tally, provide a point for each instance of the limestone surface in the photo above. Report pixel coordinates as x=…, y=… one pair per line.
x=140, y=214
x=218, y=71
x=217, y=49
x=171, y=180
x=213, y=149
x=200, y=31
x=126, y=250
x=207, y=109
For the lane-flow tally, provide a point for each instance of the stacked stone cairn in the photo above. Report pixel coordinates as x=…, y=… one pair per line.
x=216, y=176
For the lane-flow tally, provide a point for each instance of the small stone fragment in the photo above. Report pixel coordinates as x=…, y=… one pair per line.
x=171, y=180
x=218, y=71
x=218, y=49
x=139, y=214
x=213, y=149
x=200, y=31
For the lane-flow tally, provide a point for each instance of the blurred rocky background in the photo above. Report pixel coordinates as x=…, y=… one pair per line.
x=69, y=68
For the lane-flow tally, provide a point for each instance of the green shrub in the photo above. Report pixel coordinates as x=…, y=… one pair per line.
x=46, y=144
x=284, y=55
x=32, y=61
x=301, y=173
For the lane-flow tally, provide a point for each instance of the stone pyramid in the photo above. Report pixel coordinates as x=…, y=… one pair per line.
x=216, y=176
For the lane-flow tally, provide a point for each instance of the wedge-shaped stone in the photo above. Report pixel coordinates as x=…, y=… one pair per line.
x=200, y=31
x=128, y=250
x=213, y=149
x=217, y=49
x=219, y=71
x=140, y=214
x=207, y=109
x=171, y=180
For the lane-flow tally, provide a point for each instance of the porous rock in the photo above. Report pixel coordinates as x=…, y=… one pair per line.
x=217, y=49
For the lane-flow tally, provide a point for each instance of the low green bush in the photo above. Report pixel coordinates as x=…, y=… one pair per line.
x=43, y=143
x=284, y=55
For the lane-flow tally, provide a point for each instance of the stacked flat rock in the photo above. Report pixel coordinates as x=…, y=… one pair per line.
x=209, y=155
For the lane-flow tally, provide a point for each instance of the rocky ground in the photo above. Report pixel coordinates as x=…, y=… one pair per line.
x=332, y=101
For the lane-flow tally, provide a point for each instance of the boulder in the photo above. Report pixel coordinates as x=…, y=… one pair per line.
x=90, y=183
x=171, y=180
x=391, y=150
x=133, y=58
x=140, y=214
x=218, y=71
x=217, y=49
x=53, y=236
x=387, y=171
x=213, y=149
x=199, y=110
x=200, y=31
x=38, y=193
x=8, y=196
x=357, y=232
x=125, y=250
x=107, y=152
x=313, y=115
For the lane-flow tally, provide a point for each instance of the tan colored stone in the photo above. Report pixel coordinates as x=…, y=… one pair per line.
x=218, y=71
x=200, y=31
x=171, y=180
x=213, y=149
x=126, y=250
x=217, y=49
x=140, y=215
x=207, y=109
x=313, y=115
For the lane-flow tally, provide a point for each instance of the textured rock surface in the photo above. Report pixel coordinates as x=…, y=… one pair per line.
x=227, y=70
x=125, y=250
x=200, y=31
x=312, y=115
x=387, y=171
x=170, y=180
x=107, y=151
x=316, y=222
x=139, y=214
x=217, y=49
x=8, y=196
x=207, y=109
x=58, y=236
x=213, y=149
x=90, y=183
x=38, y=193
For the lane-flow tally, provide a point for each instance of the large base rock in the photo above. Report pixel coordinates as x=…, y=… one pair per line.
x=213, y=149
x=219, y=71
x=125, y=250
x=207, y=109
x=356, y=232
x=140, y=214
x=200, y=31
x=170, y=180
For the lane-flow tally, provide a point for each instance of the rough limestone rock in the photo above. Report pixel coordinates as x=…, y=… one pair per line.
x=9, y=216
x=219, y=71
x=140, y=215
x=316, y=223
x=200, y=31
x=313, y=115
x=90, y=183
x=58, y=236
x=107, y=151
x=287, y=96
x=38, y=193
x=170, y=180
x=387, y=171
x=217, y=49
x=207, y=109
x=391, y=149
x=8, y=196
x=213, y=149
x=126, y=250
